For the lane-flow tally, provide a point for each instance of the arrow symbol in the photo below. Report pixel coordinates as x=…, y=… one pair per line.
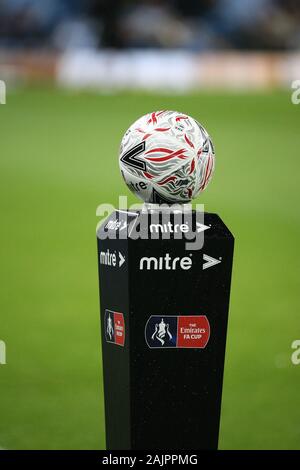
x=130, y=157
x=201, y=227
x=121, y=259
x=210, y=261
x=123, y=226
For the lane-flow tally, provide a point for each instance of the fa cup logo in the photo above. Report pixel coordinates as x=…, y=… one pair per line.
x=110, y=328
x=162, y=332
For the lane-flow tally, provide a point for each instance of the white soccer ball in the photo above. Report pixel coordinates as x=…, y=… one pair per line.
x=166, y=157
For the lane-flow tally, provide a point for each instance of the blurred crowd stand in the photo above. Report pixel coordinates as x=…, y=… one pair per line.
x=195, y=25
x=174, y=45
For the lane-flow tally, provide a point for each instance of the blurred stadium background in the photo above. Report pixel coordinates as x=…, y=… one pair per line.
x=77, y=74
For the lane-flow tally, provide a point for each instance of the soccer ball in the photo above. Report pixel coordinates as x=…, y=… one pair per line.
x=166, y=157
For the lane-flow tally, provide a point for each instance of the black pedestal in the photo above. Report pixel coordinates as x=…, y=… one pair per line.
x=164, y=317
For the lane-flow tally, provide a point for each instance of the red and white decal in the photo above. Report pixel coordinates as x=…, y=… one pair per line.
x=114, y=327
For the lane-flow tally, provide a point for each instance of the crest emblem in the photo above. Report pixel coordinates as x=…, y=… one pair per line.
x=162, y=332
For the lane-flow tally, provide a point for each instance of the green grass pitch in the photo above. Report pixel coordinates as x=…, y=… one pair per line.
x=58, y=161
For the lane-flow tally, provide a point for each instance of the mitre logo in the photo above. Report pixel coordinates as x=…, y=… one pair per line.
x=110, y=258
x=166, y=263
